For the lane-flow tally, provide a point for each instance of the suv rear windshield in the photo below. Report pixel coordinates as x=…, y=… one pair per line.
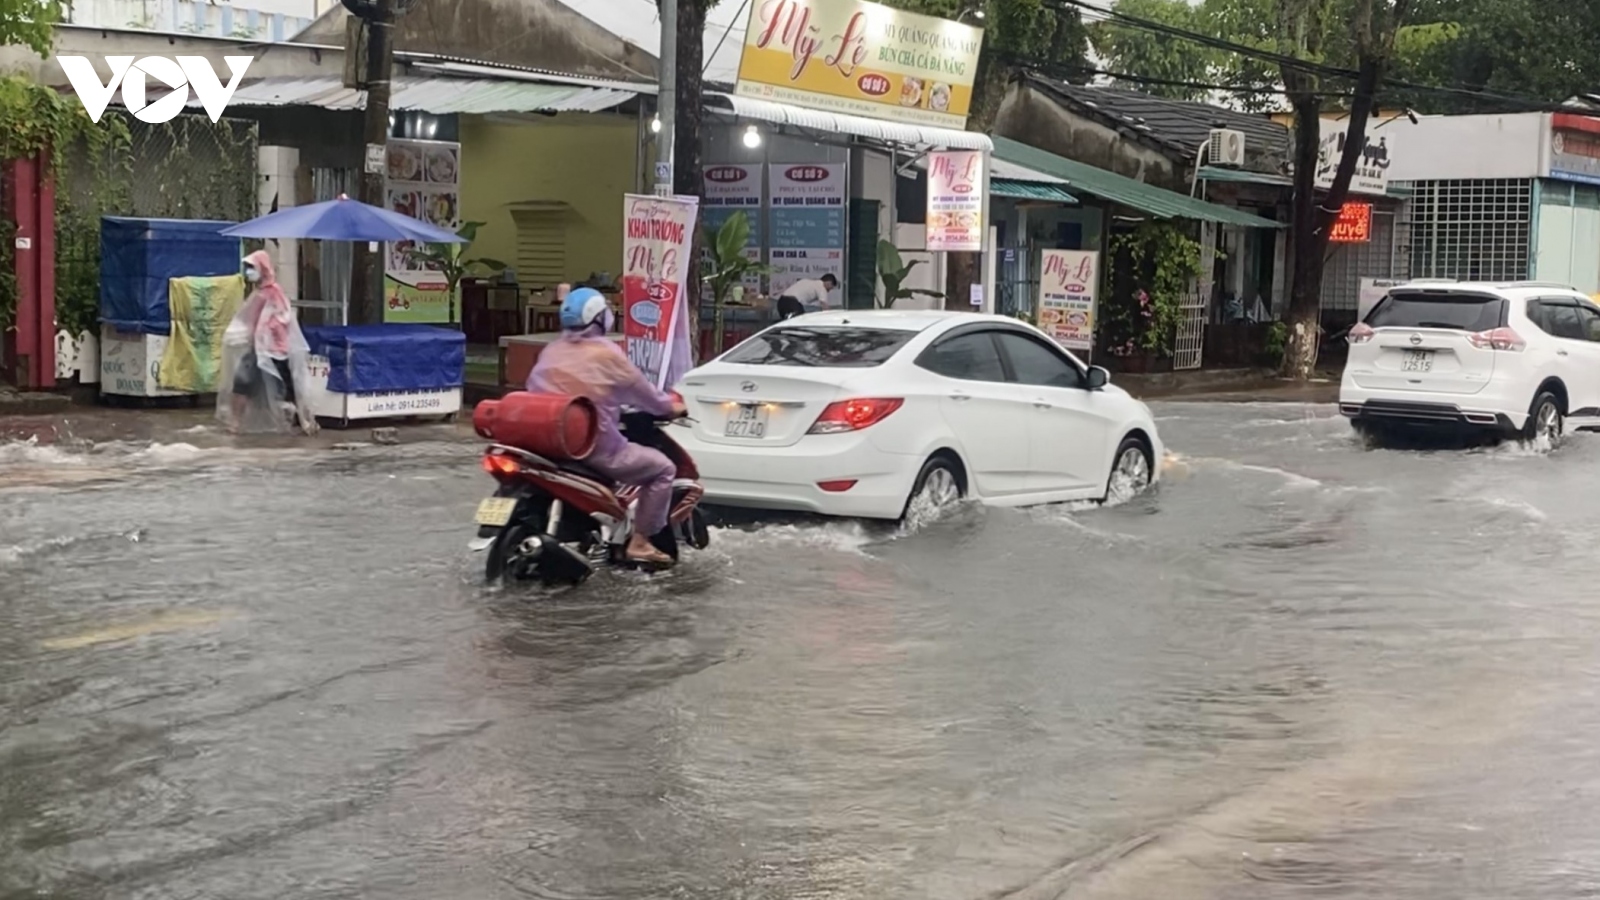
x=840, y=346
x=1464, y=312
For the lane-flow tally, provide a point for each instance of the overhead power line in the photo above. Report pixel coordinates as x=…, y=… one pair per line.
x=1102, y=14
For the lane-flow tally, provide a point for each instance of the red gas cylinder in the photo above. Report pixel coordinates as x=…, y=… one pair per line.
x=555, y=426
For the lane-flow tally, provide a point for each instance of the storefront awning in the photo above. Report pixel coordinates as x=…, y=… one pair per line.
x=1029, y=190
x=1239, y=176
x=1147, y=198
x=859, y=126
x=439, y=96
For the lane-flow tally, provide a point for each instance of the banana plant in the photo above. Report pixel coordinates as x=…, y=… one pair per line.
x=726, y=266
x=893, y=271
x=450, y=261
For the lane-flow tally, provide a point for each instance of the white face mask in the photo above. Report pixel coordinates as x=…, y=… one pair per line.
x=252, y=274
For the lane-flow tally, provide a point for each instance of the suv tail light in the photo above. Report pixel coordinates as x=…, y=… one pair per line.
x=1360, y=334
x=1497, y=339
x=854, y=415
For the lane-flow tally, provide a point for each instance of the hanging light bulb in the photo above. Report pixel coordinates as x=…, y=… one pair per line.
x=655, y=125
x=752, y=137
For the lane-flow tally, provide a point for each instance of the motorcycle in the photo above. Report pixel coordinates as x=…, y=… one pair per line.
x=556, y=521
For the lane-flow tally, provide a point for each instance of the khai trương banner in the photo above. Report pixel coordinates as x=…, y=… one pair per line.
x=656, y=262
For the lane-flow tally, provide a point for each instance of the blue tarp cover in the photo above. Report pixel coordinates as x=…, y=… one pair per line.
x=365, y=359
x=138, y=256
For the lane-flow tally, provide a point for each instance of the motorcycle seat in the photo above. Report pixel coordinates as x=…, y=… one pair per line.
x=573, y=467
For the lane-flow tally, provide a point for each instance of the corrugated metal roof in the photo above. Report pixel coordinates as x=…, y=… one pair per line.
x=1029, y=190
x=1107, y=185
x=440, y=96
x=1239, y=176
x=860, y=126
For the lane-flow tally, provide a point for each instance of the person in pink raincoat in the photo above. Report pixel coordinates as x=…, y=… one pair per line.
x=266, y=354
x=585, y=362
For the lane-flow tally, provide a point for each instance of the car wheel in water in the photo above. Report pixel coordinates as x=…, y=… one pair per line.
x=1130, y=471
x=938, y=487
x=1545, y=420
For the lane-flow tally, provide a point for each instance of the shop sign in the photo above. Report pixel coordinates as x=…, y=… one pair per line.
x=808, y=201
x=1372, y=168
x=423, y=181
x=1575, y=156
x=861, y=58
x=957, y=193
x=1069, y=284
x=730, y=189
x=1353, y=226
x=658, y=239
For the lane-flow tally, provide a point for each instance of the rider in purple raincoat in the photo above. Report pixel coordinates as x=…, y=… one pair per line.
x=585, y=362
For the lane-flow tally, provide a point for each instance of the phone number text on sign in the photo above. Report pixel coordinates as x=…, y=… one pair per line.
x=404, y=404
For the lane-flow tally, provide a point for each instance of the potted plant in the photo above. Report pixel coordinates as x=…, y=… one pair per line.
x=450, y=260
x=1140, y=328
x=893, y=271
x=727, y=267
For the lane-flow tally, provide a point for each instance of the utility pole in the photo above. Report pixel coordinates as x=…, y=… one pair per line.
x=668, y=97
x=367, y=271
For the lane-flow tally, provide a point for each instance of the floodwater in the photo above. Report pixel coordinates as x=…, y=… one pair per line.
x=1299, y=668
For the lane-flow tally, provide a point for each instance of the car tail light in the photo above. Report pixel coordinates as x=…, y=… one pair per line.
x=496, y=464
x=1497, y=339
x=1360, y=334
x=837, y=487
x=854, y=415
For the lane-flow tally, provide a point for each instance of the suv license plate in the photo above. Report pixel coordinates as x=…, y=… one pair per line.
x=1417, y=361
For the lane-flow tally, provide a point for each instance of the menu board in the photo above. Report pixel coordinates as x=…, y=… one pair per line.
x=423, y=182
x=731, y=189
x=808, y=205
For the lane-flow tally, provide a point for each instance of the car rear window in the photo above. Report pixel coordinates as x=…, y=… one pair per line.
x=840, y=346
x=1464, y=312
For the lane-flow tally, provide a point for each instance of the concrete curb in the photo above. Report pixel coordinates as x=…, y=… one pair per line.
x=32, y=403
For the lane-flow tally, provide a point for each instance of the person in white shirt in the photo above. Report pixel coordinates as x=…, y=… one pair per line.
x=807, y=296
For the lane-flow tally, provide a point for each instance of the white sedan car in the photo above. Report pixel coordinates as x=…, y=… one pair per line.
x=857, y=413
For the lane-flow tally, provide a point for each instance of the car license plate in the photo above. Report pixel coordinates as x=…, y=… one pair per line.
x=496, y=511
x=1417, y=361
x=747, y=421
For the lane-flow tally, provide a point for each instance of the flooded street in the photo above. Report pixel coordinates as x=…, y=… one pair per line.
x=1298, y=668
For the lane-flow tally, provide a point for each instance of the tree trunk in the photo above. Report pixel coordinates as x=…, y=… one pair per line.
x=688, y=176
x=1310, y=221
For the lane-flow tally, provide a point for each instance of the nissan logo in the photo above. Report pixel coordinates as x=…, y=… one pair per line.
x=748, y=387
x=1416, y=339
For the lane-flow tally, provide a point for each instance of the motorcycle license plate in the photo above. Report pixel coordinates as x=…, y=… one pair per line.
x=496, y=511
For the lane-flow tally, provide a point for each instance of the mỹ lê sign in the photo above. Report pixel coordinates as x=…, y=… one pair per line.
x=860, y=58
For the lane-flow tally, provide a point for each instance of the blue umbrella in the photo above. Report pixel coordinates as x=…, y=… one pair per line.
x=342, y=220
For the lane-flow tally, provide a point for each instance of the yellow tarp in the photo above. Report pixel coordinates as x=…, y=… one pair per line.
x=202, y=307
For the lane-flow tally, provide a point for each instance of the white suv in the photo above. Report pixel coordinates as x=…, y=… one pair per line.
x=1520, y=358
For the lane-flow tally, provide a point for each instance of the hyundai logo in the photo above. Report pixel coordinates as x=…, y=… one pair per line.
x=1416, y=339
x=748, y=387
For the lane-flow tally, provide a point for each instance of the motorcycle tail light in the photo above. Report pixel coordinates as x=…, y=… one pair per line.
x=497, y=465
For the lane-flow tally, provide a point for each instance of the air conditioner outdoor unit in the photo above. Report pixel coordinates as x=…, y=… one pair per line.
x=1226, y=147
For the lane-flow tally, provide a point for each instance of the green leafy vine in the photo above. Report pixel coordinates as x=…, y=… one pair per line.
x=38, y=121
x=1165, y=262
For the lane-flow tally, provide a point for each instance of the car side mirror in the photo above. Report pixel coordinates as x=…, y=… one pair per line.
x=1098, y=378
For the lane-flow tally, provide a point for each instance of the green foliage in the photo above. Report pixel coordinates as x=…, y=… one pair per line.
x=1273, y=347
x=1155, y=55
x=893, y=271
x=450, y=260
x=30, y=23
x=725, y=265
x=37, y=120
x=1165, y=263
